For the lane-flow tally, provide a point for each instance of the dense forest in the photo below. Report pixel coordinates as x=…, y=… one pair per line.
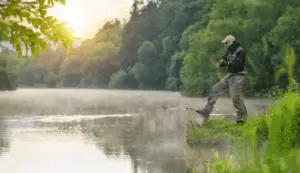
x=173, y=45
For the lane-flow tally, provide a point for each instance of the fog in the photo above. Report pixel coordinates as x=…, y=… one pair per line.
x=81, y=130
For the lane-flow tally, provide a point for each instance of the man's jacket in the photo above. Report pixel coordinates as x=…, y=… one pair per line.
x=234, y=58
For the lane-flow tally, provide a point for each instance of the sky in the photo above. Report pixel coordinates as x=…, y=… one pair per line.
x=87, y=16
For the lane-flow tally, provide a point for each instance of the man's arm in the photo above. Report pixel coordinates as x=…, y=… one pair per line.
x=224, y=57
x=223, y=62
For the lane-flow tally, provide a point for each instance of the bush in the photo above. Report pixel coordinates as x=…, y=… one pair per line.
x=118, y=80
x=279, y=134
x=8, y=79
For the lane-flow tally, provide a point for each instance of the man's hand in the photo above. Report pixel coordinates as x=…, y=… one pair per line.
x=219, y=63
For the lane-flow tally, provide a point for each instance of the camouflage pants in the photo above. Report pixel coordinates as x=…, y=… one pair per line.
x=233, y=83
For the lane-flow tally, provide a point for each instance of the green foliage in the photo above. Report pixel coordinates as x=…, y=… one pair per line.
x=8, y=79
x=214, y=132
x=146, y=53
x=267, y=143
x=26, y=25
x=150, y=40
x=272, y=141
x=287, y=69
x=173, y=45
x=8, y=70
x=262, y=37
x=224, y=166
x=90, y=65
x=118, y=80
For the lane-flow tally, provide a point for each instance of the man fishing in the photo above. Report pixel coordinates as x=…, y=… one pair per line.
x=234, y=59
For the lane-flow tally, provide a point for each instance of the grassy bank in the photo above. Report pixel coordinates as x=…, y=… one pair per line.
x=268, y=143
x=216, y=131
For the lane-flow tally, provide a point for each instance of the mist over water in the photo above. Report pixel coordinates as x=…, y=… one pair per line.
x=89, y=131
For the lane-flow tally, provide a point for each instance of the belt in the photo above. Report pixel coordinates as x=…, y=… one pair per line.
x=235, y=74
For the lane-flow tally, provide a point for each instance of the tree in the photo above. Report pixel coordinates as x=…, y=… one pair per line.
x=25, y=25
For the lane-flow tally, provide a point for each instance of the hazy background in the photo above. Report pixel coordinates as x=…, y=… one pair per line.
x=87, y=16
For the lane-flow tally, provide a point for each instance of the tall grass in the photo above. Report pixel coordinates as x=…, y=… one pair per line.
x=268, y=143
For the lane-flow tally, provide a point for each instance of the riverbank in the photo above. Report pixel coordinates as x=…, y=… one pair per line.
x=267, y=143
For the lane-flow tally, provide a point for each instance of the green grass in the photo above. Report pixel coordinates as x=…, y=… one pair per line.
x=218, y=131
x=214, y=132
x=268, y=144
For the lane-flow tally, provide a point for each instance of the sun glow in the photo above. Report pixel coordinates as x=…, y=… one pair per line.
x=76, y=24
x=85, y=17
x=75, y=19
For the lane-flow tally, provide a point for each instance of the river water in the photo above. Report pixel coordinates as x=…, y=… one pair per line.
x=101, y=131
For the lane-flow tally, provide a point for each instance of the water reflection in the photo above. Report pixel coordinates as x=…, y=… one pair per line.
x=150, y=143
x=50, y=151
x=4, y=137
x=135, y=143
x=91, y=131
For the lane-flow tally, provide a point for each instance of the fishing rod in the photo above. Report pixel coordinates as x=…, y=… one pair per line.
x=191, y=109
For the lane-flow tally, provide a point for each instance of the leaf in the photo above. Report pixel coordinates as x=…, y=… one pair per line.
x=25, y=14
x=34, y=49
x=35, y=23
x=44, y=27
x=50, y=2
x=14, y=39
x=18, y=49
x=62, y=2
x=43, y=44
x=32, y=2
x=34, y=13
x=41, y=2
x=48, y=18
x=21, y=18
x=43, y=12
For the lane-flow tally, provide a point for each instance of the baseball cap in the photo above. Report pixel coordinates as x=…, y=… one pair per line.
x=229, y=38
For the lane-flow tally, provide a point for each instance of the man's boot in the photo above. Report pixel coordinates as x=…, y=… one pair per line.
x=240, y=122
x=202, y=116
x=241, y=117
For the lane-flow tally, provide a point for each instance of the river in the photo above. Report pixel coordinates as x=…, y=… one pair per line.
x=107, y=131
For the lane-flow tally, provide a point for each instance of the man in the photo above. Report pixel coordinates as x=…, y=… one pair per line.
x=234, y=59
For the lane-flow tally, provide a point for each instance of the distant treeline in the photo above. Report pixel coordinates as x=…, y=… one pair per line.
x=173, y=45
